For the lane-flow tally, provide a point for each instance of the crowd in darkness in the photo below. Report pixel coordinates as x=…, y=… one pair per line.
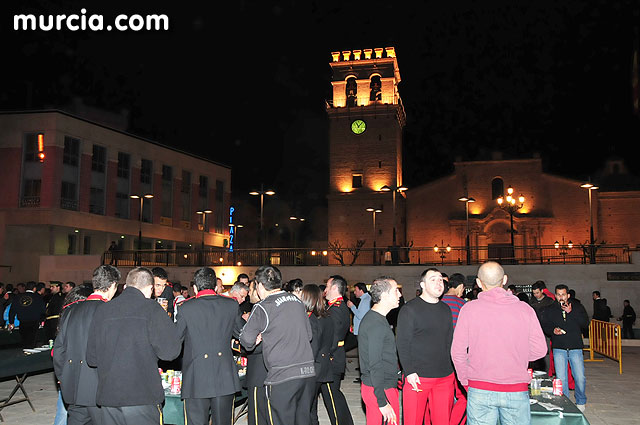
x=450, y=350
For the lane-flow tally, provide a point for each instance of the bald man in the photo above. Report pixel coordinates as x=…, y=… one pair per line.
x=495, y=339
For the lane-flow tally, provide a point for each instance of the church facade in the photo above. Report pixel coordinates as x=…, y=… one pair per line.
x=505, y=207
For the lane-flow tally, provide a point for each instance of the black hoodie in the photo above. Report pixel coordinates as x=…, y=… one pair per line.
x=572, y=323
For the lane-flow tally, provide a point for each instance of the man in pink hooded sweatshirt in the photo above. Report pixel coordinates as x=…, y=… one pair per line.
x=495, y=338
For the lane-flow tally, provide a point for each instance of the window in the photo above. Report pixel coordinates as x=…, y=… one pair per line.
x=219, y=191
x=219, y=209
x=185, y=192
x=186, y=182
x=376, y=88
x=68, y=200
x=146, y=171
x=497, y=188
x=124, y=160
x=356, y=181
x=96, y=201
x=167, y=191
x=71, y=153
x=31, y=188
x=31, y=148
x=122, y=205
x=352, y=91
x=204, y=186
x=99, y=159
x=71, y=247
x=86, y=247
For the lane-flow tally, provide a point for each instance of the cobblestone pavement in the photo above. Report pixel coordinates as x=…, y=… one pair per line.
x=612, y=398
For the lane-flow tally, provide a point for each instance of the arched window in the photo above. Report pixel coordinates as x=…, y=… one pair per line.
x=497, y=188
x=352, y=92
x=376, y=88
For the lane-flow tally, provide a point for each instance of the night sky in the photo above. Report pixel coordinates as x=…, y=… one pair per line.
x=245, y=83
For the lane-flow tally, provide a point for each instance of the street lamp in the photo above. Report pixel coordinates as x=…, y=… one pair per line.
x=393, y=189
x=204, y=214
x=301, y=220
x=142, y=198
x=261, y=193
x=511, y=205
x=373, y=212
x=592, y=253
x=467, y=200
x=563, y=249
x=443, y=252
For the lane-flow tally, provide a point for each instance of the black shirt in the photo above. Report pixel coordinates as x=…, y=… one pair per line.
x=424, y=336
x=377, y=355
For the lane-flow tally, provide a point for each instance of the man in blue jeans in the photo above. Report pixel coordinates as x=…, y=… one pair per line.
x=564, y=321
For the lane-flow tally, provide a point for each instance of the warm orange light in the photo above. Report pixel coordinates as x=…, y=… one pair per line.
x=324, y=253
x=221, y=259
x=313, y=253
x=239, y=263
x=41, y=147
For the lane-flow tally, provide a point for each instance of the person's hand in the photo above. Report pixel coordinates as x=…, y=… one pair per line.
x=259, y=339
x=388, y=414
x=566, y=307
x=414, y=381
x=559, y=331
x=350, y=304
x=245, y=316
x=11, y=326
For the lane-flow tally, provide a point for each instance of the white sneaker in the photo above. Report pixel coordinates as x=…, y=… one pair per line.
x=581, y=407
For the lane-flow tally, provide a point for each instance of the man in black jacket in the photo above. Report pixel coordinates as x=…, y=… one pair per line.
x=79, y=382
x=280, y=324
x=563, y=321
x=209, y=373
x=29, y=307
x=127, y=337
x=333, y=398
x=54, y=308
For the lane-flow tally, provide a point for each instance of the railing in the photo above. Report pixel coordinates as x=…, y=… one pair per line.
x=30, y=201
x=605, y=338
x=604, y=254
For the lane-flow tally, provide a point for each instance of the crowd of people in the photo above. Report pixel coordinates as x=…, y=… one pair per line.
x=458, y=353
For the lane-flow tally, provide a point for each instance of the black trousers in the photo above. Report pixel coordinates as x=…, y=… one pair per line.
x=336, y=404
x=258, y=411
x=627, y=330
x=83, y=415
x=314, y=403
x=132, y=415
x=28, y=332
x=290, y=402
x=198, y=410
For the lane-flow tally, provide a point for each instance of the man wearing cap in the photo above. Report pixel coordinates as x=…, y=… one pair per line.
x=54, y=307
x=78, y=381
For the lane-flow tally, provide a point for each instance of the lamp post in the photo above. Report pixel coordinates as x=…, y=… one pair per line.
x=443, y=252
x=466, y=200
x=563, y=249
x=592, y=253
x=393, y=189
x=373, y=212
x=142, y=198
x=204, y=214
x=511, y=205
x=261, y=193
x=298, y=219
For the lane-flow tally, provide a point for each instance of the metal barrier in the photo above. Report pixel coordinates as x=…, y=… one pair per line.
x=605, y=338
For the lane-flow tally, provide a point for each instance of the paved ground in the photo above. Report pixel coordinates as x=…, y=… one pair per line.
x=612, y=398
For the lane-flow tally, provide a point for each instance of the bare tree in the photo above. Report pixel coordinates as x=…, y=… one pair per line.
x=337, y=251
x=354, y=250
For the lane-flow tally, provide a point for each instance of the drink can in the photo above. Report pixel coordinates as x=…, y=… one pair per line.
x=557, y=387
x=50, y=343
x=530, y=373
x=175, y=385
x=243, y=361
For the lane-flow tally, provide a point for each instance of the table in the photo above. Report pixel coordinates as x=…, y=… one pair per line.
x=12, y=338
x=570, y=415
x=173, y=410
x=15, y=363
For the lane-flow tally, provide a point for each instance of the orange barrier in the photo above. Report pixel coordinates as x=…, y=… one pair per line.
x=605, y=338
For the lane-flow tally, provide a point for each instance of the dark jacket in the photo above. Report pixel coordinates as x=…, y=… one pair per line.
x=322, y=331
x=539, y=305
x=572, y=323
x=286, y=336
x=601, y=310
x=207, y=324
x=339, y=314
x=78, y=381
x=54, y=308
x=29, y=307
x=127, y=337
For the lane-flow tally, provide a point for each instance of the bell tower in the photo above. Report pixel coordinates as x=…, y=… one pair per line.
x=366, y=118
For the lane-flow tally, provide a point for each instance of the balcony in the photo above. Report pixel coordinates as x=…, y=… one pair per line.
x=29, y=201
x=68, y=204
